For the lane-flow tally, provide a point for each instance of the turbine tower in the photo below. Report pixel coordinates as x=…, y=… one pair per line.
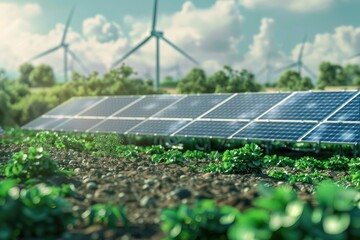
x=66, y=46
x=158, y=35
x=268, y=69
x=299, y=63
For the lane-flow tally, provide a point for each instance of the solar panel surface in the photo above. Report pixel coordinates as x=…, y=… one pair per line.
x=158, y=127
x=309, y=106
x=336, y=133
x=148, y=106
x=192, y=106
x=109, y=106
x=115, y=125
x=74, y=106
x=246, y=106
x=80, y=125
x=350, y=112
x=221, y=129
x=44, y=123
x=290, y=131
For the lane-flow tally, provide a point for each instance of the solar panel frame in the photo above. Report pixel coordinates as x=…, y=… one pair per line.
x=349, y=112
x=147, y=110
x=263, y=131
x=243, y=106
x=333, y=130
x=109, y=126
x=192, y=106
x=81, y=124
x=110, y=106
x=317, y=106
x=227, y=128
x=73, y=104
x=146, y=127
x=46, y=123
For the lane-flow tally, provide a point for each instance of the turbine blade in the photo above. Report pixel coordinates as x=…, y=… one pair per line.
x=287, y=67
x=45, y=53
x=76, y=59
x=131, y=52
x=179, y=50
x=302, y=49
x=154, y=16
x=355, y=56
x=309, y=71
x=67, y=25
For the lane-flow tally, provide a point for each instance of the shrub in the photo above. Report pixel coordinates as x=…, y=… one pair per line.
x=39, y=211
x=106, y=215
x=35, y=163
x=170, y=156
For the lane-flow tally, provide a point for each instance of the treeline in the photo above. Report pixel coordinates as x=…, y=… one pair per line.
x=35, y=91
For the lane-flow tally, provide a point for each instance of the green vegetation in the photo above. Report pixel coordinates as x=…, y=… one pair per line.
x=277, y=214
x=247, y=159
x=32, y=164
x=39, y=211
x=105, y=214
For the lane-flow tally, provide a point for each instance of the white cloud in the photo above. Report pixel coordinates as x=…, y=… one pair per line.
x=291, y=5
x=335, y=47
x=100, y=29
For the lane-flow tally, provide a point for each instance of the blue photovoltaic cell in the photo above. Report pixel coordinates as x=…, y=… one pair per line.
x=335, y=132
x=192, y=106
x=74, y=106
x=109, y=106
x=115, y=125
x=148, y=106
x=158, y=127
x=309, y=106
x=80, y=125
x=350, y=112
x=246, y=106
x=221, y=129
x=290, y=131
x=44, y=123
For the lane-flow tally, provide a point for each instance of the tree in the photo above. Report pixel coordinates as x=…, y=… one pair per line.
x=42, y=76
x=243, y=81
x=352, y=73
x=193, y=82
x=25, y=71
x=331, y=75
x=292, y=81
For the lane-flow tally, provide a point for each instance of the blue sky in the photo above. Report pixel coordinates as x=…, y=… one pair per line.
x=248, y=30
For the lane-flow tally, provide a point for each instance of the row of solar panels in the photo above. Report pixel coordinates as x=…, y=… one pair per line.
x=300, y=116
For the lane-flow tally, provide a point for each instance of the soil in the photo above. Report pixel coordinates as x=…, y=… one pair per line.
x=145, y=188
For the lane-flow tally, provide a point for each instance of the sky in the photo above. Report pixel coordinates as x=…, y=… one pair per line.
x=240, y=33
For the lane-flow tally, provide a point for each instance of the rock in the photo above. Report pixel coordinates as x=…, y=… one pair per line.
x=91, y=186
x=121, y=195
x=148, y=202
x=207, y=175
x=181, y=193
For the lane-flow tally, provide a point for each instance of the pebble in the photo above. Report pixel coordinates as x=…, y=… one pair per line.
x=121, y=195
x=181, y=193
x=148, y=202
x=91, y=186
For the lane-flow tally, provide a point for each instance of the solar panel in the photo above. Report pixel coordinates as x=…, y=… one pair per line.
x=79, y=125
x=192, y=106
x=350, y=112
x=220, y=129
x=158, y=127
x=288, y=131
x=44, y=123
x=335, y=133
x=309, y=106
x=109, y=106
x=246, y=106
x=148, y=106
x=74, y=106
x=115, y=125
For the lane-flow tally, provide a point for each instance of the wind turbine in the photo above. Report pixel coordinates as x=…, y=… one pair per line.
x=355, y=56
x=63, y=44
x=158, y=35
x=299, y=63
x=266, y=69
